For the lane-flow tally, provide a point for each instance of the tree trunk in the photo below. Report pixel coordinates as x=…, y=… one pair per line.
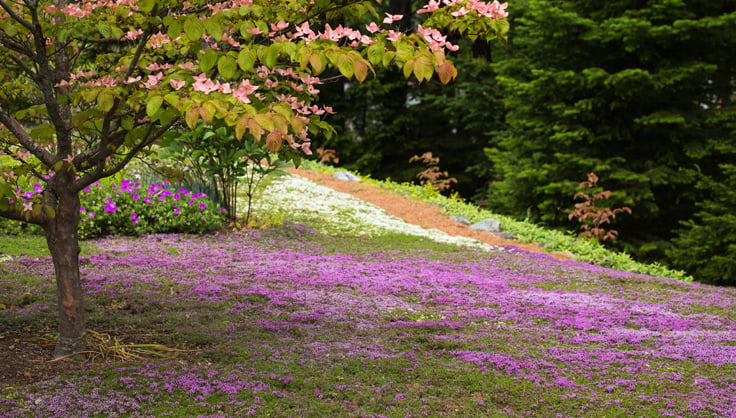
x=63, y=242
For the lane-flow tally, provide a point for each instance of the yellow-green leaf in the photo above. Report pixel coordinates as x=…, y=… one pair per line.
x=423, y=68
x=206, y=113
x=172, y=99
x=345, y=65
x=240, y=126
x=404, y=51
x=255, y=129
x=388, y=57
x=214, y=28
x=191, y=118
x=408, y=68
x=280, y=123
x=297, y=124
x=361, y=71
x=265, y=121
x=105, y=100
x=304, y=61
x=317, y=62
x=282, y=109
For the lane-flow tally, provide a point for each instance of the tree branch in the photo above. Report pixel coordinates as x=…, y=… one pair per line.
x=99, y=172
x=15, y=16
x=28, y=70
x=24, y=139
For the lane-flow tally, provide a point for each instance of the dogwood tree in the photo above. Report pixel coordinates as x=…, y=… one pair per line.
x=89, y=84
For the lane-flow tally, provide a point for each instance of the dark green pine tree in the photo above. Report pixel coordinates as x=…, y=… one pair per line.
x=635, y=91
x=706, y=245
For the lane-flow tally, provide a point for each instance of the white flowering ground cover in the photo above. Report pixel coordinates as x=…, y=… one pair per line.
x=333, y=212
x=344, y=311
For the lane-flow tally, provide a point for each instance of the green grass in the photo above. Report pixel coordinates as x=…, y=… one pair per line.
x=34, y=246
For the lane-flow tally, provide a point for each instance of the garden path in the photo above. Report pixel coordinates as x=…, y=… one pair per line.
x=415, y=212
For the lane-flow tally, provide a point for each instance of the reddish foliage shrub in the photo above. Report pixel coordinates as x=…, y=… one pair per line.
x=591, y=215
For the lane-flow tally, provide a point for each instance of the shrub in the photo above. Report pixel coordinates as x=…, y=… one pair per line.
x=591, y=214
x=127, y=208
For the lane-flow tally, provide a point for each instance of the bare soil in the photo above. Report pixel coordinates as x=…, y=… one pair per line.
x=415, y=212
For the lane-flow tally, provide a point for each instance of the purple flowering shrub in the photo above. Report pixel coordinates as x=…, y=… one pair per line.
x=129, y=208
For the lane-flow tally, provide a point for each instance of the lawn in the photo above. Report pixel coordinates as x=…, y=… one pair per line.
x=347, y=312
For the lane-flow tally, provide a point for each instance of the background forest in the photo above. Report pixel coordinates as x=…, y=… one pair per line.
x=639, y=92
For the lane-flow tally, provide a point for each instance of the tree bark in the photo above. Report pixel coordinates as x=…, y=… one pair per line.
x=63, y=242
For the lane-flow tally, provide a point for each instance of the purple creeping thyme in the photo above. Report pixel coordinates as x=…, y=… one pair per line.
x=587, y=336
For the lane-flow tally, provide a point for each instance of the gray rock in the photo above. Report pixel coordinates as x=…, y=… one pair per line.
x=507, y=235
x=490, y=225
x=461, y=219
x=344, y=175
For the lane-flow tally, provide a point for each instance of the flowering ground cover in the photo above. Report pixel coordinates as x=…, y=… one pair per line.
x=300, y=320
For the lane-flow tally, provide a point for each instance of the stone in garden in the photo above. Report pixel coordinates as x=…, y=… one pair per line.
x=507, y=235
x=461, y=219
x=344, y=175
x=489, y=225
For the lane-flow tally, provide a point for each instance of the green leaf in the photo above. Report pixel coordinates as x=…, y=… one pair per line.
x=272, y=54
x=43, y=131
x=10, y=31
x=146, y=5
x=172, y=99
x=49, y=211
x=153, y=105
x=193, y=28
x=375, y=53
x=246, y=59
x=208, y=60
x=388, y=57
x=288, y=48
x=105, y=30
x=127, y=124
x=227, y=66
x=5, y=192
x=404, y=51
x=174, y=29
x=214, y=28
